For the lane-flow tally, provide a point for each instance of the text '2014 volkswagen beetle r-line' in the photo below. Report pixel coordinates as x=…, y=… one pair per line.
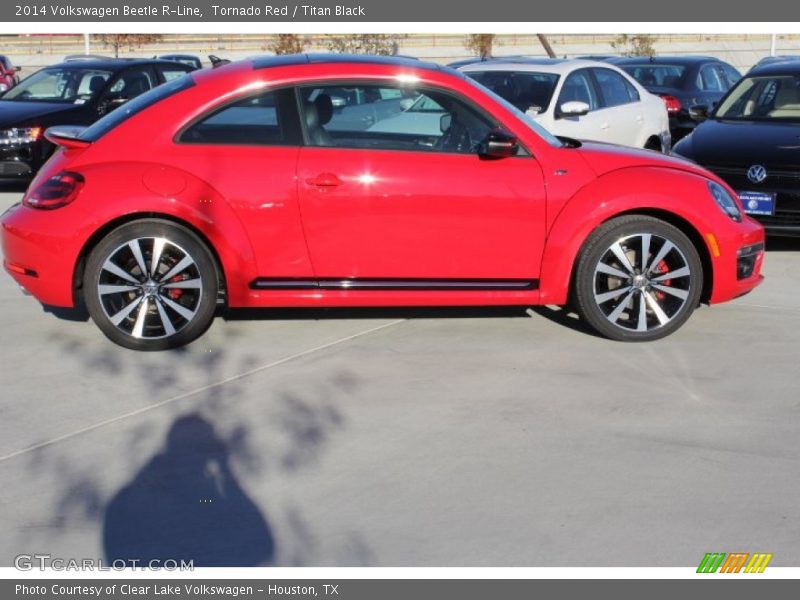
x=265, y=183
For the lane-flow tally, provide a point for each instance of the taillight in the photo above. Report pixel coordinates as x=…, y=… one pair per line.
x=672, y=103
x=55, y=192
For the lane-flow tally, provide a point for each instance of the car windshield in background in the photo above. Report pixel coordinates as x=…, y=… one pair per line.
x=60, y=85
x=138, y=104
x=526, y=91
x=525, y=118
x=651, y=75
x=763, y=98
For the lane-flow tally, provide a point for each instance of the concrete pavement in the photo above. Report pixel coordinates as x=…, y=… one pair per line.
x=499, y=437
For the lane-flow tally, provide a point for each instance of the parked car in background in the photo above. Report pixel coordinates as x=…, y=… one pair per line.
x=9, y=74
x=581, y=99
x=682, y=82
x=752, y=141
x=187, y=59
x=71, y=93
x=155, y=213
x=768, y=60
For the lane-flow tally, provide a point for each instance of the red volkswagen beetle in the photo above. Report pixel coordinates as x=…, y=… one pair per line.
x=310, y=181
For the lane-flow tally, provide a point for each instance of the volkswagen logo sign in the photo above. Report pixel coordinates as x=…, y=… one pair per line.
x=756, y=173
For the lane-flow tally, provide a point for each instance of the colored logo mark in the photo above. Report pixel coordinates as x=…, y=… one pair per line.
x=735, y=562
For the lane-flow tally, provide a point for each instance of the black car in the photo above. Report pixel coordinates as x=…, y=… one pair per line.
x=70, y=93
x=752, y=141
x=682, y=82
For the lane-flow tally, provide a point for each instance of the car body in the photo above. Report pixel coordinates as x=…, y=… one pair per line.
x=226, y=186
x=9, y=74
x=187, y=59
x=752, y=141
x=605, y=104
x=683, y=82
x=70, y=93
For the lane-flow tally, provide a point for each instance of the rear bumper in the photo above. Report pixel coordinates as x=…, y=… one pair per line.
x=38, y=255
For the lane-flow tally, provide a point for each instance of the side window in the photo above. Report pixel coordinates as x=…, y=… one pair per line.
x=132, y=82
x=615, y=89
x=255, y=120
x=732, y=76
x=170, y=73
x=578, y=88
x=394, y=118
x=708, y=79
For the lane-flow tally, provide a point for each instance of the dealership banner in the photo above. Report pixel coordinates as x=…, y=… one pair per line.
x=395, y=589
x=420, y=11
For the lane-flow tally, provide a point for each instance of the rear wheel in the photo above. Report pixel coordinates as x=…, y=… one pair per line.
x=151, y=285
x=638, y=279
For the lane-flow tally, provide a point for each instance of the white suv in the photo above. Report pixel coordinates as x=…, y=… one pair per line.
x=581, y=99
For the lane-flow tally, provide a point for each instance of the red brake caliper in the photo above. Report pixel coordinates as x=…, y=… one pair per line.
x=662, y=268
x=175, y=293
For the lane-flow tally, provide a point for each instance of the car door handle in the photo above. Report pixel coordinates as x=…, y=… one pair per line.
x=639, y=118
x=604, y=126
x=324, y=180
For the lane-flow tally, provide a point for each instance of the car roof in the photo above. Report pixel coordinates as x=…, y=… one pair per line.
x=674, y=59
x=539, y=65
x=787, y=67
x=272, y=60
x=110, y=64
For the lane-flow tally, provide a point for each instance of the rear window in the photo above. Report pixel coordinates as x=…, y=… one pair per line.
x=651, y=75
x=132, y=107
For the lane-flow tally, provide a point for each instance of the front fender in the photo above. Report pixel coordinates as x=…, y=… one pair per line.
x=645, y=189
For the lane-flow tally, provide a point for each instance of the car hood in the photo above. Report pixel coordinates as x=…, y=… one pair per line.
x=16, y=114
x=744, y=143
x=604, y=158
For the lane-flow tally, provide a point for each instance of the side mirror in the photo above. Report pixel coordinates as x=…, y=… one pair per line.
x=445, y=121
x=498, y=143
x=574, y=108
x=699, y=112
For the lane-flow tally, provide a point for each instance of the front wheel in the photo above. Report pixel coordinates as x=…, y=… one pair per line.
x=638, y=278
x=151, y=285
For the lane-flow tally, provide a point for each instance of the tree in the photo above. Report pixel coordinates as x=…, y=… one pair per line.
x=480, y=44
x=635, y=45
x=117, y=41
x=288, y=43
x=367, y=43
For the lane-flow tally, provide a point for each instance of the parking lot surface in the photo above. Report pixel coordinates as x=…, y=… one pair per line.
x=487, y=437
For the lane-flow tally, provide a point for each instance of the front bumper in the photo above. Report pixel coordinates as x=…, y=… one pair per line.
x=19, y=160
x=738, y=257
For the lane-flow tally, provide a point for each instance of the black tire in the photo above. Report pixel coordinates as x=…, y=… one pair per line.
x=646, y=304
x=176, y=303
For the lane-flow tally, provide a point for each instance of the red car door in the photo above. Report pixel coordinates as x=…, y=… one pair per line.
x=403, y=200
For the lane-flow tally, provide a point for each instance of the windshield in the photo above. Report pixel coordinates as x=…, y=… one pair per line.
x=656, y=75
x=528, y=120
x=526, y=91
x=60, y=85
x=775, y=97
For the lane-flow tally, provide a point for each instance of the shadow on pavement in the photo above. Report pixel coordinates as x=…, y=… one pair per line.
x=186, y=504
x=400, y=312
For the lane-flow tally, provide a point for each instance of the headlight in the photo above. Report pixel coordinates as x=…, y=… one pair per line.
x=725, y=201
x=19, y=135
